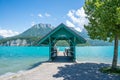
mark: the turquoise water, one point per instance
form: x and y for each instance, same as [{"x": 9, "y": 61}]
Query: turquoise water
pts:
[
  {"x": 14, "y": 59},
  {"x": 102, "y": 54}
]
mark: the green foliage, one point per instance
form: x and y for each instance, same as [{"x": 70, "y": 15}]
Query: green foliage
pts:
[
  {"x": 118, "y": 15},
  {"x": 86, "y": 44},
  {"x": 104, "y": 22},
  {"x": 110, "y": 70},
  {"x": 62, "y": 43},
  {"x": 65, "y": 43},
  {"x": 104, "y": 19}
]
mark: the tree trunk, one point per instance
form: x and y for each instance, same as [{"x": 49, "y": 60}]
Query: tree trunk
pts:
[{"x": 115, "y": 57}]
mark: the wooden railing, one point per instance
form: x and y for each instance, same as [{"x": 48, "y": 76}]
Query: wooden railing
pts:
[{"x": 69, "y": 53}]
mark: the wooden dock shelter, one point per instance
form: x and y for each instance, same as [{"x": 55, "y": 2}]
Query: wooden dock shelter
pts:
[{"x": 62, "y": 32}]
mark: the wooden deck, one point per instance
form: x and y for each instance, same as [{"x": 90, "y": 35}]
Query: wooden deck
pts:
[{"x": 62, "y": 57}]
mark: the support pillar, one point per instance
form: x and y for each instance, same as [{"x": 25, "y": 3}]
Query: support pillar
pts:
[
  {"x": 50, "y": 49},
  {"x": 74, "y": 51}
]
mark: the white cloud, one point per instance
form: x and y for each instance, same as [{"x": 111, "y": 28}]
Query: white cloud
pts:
[
  {"x": 40, "y": 15},
  {"x": 33, "y": 23},
  {"x": 47, "y": 15},
  {"x": 70, "y": 24},
  {"x": 77, "y": 18},
  {"x": 78, "y": 29},
  {"x": 8, "y": 33},
  {"x": 43, "y": 15}
]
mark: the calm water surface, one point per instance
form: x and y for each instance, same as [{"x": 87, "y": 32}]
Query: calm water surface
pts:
[{"x": 14, "y": 59}]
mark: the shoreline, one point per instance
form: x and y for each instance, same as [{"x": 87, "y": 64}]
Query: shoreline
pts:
[
  {"x": 44, "y": 65},
  {"x": 21, "y": 71},
  {"x": 16, "y": 75}
]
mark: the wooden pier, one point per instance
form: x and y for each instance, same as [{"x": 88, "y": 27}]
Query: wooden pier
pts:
[
  {"x": 62, "y": 57},
  {"x": 62, "y": 32}
]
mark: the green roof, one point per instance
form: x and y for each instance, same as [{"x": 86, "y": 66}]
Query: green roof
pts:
[{"x": 61, "y": 32}]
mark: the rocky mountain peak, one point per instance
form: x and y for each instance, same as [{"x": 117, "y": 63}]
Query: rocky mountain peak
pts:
[
  {"x": 37, "y": 30},
  {"x": 41, "y": 25}
]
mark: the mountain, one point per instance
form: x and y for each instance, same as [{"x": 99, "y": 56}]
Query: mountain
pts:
[
  {"x": 28, "y": 37},
  {"x": 84, "y": 34},
  {"x": 95, "y": 42},
  {"x": 1, "y": 37},
  {"x": 37, "y": 30},
  {"x": 33, "y": 34}
]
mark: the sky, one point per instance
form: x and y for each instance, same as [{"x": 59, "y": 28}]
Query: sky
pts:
[{"x": 16, "y": 16}]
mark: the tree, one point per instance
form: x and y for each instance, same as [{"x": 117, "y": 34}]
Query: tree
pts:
[{"x": 104, "y": 22}]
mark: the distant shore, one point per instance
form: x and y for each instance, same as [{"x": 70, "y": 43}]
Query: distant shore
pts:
[{"x": 63, "y": 71}]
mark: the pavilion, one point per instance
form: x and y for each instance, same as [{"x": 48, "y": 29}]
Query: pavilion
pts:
[{"x": 62, "y": 32}]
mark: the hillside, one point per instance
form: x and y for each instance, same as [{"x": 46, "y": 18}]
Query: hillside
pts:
[
  {"x": 28, "y": 37},
  {"x": 1, "y": 37},
  {"x": 33, "y": 34},
  {"x": 37, "y": 30},
  {"x": 94, "y": 42}
]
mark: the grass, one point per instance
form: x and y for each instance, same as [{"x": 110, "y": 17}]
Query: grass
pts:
[{"x": 110, "y": 71}]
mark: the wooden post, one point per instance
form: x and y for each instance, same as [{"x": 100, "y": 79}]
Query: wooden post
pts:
[
  {"x": 49, "y": 49},
  {"x": 72, "y": 49},
  {"x": 74, "y": 44}
]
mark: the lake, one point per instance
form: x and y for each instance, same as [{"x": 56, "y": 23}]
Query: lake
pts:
[{"x": 14, "y": 59}]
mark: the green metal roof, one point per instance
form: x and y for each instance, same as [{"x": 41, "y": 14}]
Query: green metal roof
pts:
[{"x": 61, "y": 32}]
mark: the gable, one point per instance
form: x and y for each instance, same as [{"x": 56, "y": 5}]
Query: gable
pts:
[{"x": 61, "y": 32}]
